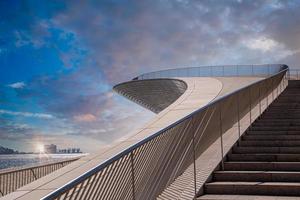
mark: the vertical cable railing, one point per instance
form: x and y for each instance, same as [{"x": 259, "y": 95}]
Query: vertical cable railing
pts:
[
  {"x": 214, "y": 71},
  {"x": 11, "y": 180},
  {"x": 294, "y": 74},
  {"x": 145, "y": 169}
]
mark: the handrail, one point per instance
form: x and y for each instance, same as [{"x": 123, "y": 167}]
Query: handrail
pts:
[
  {"x": 16, "y": 169},
  {"x": 90, "y": 178},
  {"x": 12, "y": 179},
  {"x": 213, "y": 71},
  {"x": 294, "y": 74}
]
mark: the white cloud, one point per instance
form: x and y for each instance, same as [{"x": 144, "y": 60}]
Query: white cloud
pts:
[
  {"x": 17, "y": 85},
  {"x": 262, "y": 43},
  {"x": 27, "y": 114}
]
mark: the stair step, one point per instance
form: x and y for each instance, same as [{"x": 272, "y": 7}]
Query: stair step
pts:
[
  {"x": 266, "y": 143},
  {"x": 251, "y": 132},
  {"x": 291, "y": 112},
  {"x": 275, "y": 124},
  {"x": 271, "y": 137},
  {"x": 257, "y": 176},
  {"x": 255, "y": 188},
  {"x": 244, "y": 197},
  {"x": 261, "y": 119},
  {"x": 262, "y": 166},
  {"x": 275, "y": 128},
  {"x": 281, "y": 117},
  {"x": 265, "y": 157},
  {"x": 243, "y": 150}
]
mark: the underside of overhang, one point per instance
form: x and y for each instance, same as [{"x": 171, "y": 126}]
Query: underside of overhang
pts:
[{"x": 153, "y": 94}]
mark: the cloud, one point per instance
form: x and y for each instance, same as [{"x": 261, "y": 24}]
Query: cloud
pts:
[
  {"x": 114, "y": 41},
  {"x": 17, "y": 85},
  {"x": 85, "y": 118},
  {"x": 263, "y": 44},
  {"x": 126, "y": 40},
  {"x": 14, "y": 131},
  {"x": 27, "y": 114}
]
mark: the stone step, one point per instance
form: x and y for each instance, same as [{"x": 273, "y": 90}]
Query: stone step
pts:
[
  {"x": 284, "y": 106},
  {"x": 267, "y": 143},
  {"x": 264, "y": 157},
  {"x": 252, "y": 132},
  {"x": 289, "y": 102},
  {"x": 262, "y": 166},
  {"x": 281, "y": 117},
  {"x": 253, "y": 188},
  {"x": 275, "y": 128},
  {"x": 244, "y": 150},
  {"x": 261, "y": 119},
  {"x": 280, "y": 108},
  {"x": 283, "y": 110},
  {"x": 271, "y": 137},
  {"x": 275, "y": 123},
  {"x": 244, "y": 197},
  {"x": 257, "y": 176}
]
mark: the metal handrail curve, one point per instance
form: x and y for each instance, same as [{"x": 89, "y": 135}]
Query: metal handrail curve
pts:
[
  {"x": 12, "y": 179},
  {"x": 129, "y": 151},
  {"x": 212, "y": 71}
]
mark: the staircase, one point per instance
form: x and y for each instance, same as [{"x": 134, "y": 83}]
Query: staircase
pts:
[{"x": 266, "y": 161}]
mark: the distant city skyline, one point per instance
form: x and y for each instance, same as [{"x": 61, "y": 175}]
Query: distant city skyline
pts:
[{"x": 60, "y": 59}]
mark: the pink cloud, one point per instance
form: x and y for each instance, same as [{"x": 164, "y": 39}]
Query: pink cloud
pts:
[{"x": 85, "y": 118}]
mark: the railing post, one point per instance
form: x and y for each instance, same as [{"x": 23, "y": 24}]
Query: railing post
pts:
[
  {"x": 280, "y": 86},
  {"x": 272, "y": 89},
  {"x": 132, "y": 175},
  {"x": 194, "y": 159},
  {"x": 259, "y": 96},
  {"x": 33, "y": 174},
  {"x": 283, "y": 81},
  {"x": 238, "y": 114},
  {"x": 277, "y": 91},
  {"x": 267, "y": 96},
  {"x": 221, "y": 135},
  {"x": 1, "y": 193},
  {"x": 250, "y": 105}
]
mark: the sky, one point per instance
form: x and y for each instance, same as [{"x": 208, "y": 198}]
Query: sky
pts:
[{"x": 60, "y": 59}]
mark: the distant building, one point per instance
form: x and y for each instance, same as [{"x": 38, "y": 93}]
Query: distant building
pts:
[
  {"x": 50, "y": 148},
  {"x": 70, "y": 150}
]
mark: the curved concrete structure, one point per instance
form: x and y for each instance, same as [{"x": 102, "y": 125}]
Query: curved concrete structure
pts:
[
  {"x": 176, "y": 101},
  {"x": 153, "y": 94}
]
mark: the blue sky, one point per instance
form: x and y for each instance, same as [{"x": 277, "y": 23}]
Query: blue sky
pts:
[{"x": 60, "y": 59}]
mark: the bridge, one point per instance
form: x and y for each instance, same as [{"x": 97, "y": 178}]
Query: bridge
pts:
[{"x": 221, "y": 132}]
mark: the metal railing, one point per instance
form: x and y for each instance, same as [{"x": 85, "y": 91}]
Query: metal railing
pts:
[
  {"x": 214, "y": 71},
  {"x": 294, "y": 74},
  {"x": 145, "y": 169},
  {"x": 11, "y": 180}
]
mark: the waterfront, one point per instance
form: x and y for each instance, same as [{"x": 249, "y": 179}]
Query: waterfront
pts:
[{"x": 24, "y": 160}]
